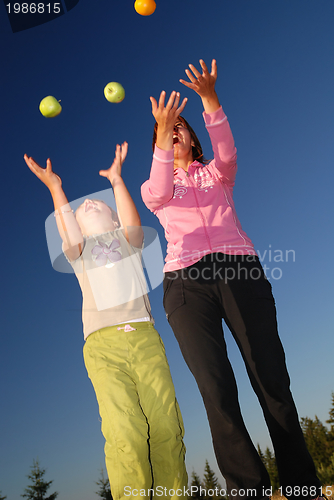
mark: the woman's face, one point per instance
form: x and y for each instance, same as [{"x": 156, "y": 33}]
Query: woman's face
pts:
[
  {"x": 182, "y": 142},
  {"x": 94, "y": 216}
]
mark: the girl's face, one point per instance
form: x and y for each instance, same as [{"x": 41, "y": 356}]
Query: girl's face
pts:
[{"x": 94, "y": 217}]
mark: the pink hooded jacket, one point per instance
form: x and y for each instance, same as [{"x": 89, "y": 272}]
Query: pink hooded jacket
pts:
[{"x": 196, "y": 208}]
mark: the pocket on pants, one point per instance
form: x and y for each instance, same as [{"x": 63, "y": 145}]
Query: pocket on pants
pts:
[{"x": 173, "y": 293}]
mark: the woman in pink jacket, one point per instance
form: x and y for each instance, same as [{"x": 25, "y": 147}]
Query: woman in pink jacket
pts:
[{"x": 212, "y": 273}]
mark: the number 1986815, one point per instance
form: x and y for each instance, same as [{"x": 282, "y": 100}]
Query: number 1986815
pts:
[
  {"x": 306, "y": 491},
  {"x": 34, "y": 8}
]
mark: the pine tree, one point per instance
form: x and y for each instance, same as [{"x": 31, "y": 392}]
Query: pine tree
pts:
[
  {"x": 210, "y": 482},
  {"x": 104, "y": 491},
  {"x": 196, "y": 486},
  {"x": 331, "y": 416},
  {"x": 318, "y": 441},
  {"x": 37, "y": 490},
  {"x": 269, "y": 461},
  {"x": 1, "y": 497},
  {"x": 260, "y": 452},
  {"x": 326, "y": 474}
]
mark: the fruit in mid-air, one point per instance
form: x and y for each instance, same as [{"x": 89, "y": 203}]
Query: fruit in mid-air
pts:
[
  {"x": 114, "y": 92},
  {"x": 50, "y": 107},
  {"x": 145, "y": 7}
]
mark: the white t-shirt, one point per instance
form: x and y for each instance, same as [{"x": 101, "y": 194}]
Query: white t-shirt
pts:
[{"x": 112, "y": 282}]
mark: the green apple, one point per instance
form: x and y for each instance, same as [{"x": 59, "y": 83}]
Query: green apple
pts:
[
  {"x": 50, "y": 107},
  {"x": 114, "y": 92}
]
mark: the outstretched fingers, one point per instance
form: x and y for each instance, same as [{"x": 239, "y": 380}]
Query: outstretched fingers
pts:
[
  {"x": 46, "y": 175},
  {"x": 183, "y": 105},
  {"x": 121, "y": 152},
  {"x": 173, "y": 101},
  {"x": 166, "y": 114},
  {"x": 195, "y": 76},
  {"x": 204, "y": 67},
  {"x": 34, "y": 167},
  {"x": 162, "y": 100},
  {"x": 103, "y": 173},
  {"x": 124, "y": 151},
  {"x": 202, "y": 83},
  {"x": 154, "y": 105},
  {"x": 48, "y": 166},
  {"x": 28, "y": 160},
  {"x": 195, "y": 72},
  {"x": 116, "y": 167},
  {"x": 213, "y": 68}
]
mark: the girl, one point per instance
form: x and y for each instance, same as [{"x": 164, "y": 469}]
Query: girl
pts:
[
  {"x": 212, "y": 273},
  {"x": 124, "y": 354}
]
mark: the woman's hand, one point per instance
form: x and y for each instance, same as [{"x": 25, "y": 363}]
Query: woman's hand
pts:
[
  {"x": 166, "y": 116},
  {"x": 204, "y": 84},
  {"x": 46, "y": 175},
  {"x": 115, "y": 171}
]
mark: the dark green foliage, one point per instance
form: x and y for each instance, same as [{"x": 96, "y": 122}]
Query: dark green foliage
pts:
[
  {"x": 210, "y": 482},
  {"x": 326, "y": 474},
  {"x": 209, "y": 488},
  {"x": 37, "y": 490},
  {"x": 1, "y": 497},
  {"x": 331, "y": 416},
  {"x": 272, "y": 468},
  {"x": 104, "y": 491},
  {"x": 196, "y": 484},
  {"x": 260, "y": 453},
  {"x": 269, "y": 461},
  {"x": 320, "y": 443},
  {"x": 318, "y": 440}
]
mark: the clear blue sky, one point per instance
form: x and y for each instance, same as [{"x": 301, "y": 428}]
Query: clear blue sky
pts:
[{"x": 275, "y": 83}]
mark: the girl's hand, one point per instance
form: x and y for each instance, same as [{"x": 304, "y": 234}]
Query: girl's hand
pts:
[
  {"x": 166, "y": 116},
  {"x": 46, "y": 175},
  {"x": 115, "y": 171},
  {"x": 203, "y": 84}
]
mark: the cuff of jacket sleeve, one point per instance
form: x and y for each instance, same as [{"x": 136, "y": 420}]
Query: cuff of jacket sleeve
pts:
[
  {"x": 162, "y": 155},
  {"x": 215, "y": 118}
]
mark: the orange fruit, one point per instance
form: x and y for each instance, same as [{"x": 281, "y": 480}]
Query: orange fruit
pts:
[{"x": 145, "y": 7}]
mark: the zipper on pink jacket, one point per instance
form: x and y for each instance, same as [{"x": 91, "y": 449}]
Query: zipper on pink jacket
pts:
[{"x": 201, "y": 215}]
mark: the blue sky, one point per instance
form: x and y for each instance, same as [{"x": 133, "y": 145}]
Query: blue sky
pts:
[{"x": 275, "y": 83}]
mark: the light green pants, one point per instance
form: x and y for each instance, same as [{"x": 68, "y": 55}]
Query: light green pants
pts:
[{"x": 141, "y": 419}]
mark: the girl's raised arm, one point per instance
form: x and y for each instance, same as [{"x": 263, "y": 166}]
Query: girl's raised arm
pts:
[
  {"x": 68, "y": 227},
  {"x": 126, "y": 208}
]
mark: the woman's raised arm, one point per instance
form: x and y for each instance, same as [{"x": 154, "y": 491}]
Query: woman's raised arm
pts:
[{"x": 204, "y": 85}]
